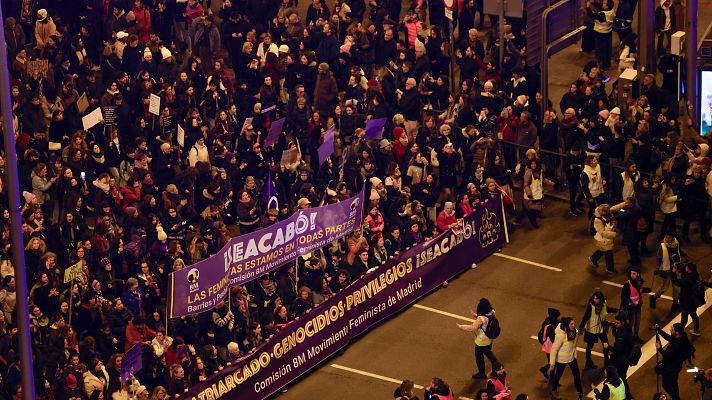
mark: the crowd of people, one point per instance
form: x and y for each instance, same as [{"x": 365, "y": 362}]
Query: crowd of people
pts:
[{"x": 148, "y": 191}]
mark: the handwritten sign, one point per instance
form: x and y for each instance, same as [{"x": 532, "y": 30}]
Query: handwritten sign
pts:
[
  {"x": 91, "y": 119},
  {"x": 154, "y": 107},
  {"x": 109, "y": 115},
  {"x": 39, "y": 66},
  {"x": 73, "y": 272}
]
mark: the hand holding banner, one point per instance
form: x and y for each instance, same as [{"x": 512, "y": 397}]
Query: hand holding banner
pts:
[
  {"x": 131, "y": 362},
  {"x": 91, "y": 119},
  {"x": 274, "y": 131},
  {"x": 374, "y": 128},
  {"x": 154, "y": 106},
  {"x": 327, "y": 148}
]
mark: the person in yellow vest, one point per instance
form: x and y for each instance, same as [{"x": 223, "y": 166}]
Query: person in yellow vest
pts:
[
  {"x": 534, "y": 191},
  {"x": 483, "y": 344},
  {"x": 603, "y": 14},
  {"x": 624, "y": 182},
  {"x": 667, "y": 200},
  {"x": 593, "y": 326},
  {"x": 669, "y": 253},
  {"x": 563, "y": 354},
  {"x": 613, "y": 387},
  {"x": 592, "y": 184},
  {"x": 604, "y": 236}
]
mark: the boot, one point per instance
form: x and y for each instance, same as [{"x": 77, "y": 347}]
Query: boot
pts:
[
  {"x": 545, "y": 371},
  {"x": 653, "y": 302}
]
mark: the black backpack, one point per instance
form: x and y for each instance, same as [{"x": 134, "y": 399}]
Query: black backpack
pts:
[
  {"x": 592, "y": 226},
  {"x": 698, "y": 294},
  {"x": 635, "y": 354},
  {"x": 492, "y": 330}
]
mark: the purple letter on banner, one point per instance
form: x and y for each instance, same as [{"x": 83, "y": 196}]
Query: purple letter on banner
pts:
[
  {"x": 388, "y": 289},
  {"x": 327, "y": 148},
  {"x": 274, "y": 131},
  {"x": 244, "y": 258},
  {"x": 131, "y": 362},
  {"x": 374, "y": 128}
]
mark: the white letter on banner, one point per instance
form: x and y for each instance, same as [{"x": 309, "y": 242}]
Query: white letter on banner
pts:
[
  {"x": 302, "y": 224},
  {"x": 251, "y": 250},
  {"x": 290, "y": 233},
  {"x": 264, "y": 248},
  {"x": 237, "y": 252},
  {"x": 278, "y": 238}
]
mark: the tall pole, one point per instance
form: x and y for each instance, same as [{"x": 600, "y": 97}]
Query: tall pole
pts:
[
  {"x": 646, "y": 35},
  {"x": 18, "y": 256},
  {"x": 502, "y": 5},
  {"x": 691, "y": 60}
]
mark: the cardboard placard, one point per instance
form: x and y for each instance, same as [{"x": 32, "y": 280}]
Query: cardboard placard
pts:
[
  {"x": 91, "y": 119},
  {"x": 41, "y": 66},
  {"x": 154, "y": 107}
]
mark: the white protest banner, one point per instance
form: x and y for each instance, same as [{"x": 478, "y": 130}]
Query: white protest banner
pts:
[
  {"x": 154, "y": 107},
  {"x": 91, "y": 119}
]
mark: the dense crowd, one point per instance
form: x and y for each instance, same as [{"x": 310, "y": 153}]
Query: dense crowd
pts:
[{"x": 148, "y": 192}]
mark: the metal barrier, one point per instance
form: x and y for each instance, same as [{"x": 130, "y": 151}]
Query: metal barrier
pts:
[{"x": 553, "y": 164}]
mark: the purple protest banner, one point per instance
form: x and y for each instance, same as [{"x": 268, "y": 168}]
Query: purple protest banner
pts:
[
  {"x": 317, "y": 335},
  {"x": 327, "y": 148},
  {"x": 274, "y": 131},
  {"x": 201, "y": 286},
  {"x": 374, "y": 128},
  {"x": 131, "y": 362}
]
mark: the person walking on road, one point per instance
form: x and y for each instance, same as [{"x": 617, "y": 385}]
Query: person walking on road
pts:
[
  {"x": 613, "y": 388},
  {"x": 631, "y": 300},
  {"x": 592, "y": 184},
  {"x": 632, "y": 225},
  {"x": 593, "y": 327},
  {"x": 497, "y": 385},
  {"x": 678, "y": 350},
  {"x": 605, "y": 235},
  {"x": 622, "y": 348},
  {"x": 563, "y": 354},
  {"x": 669, "y": 253},
  {"x": 547, "y": 335},
  {"x": 692, "y": 294},
  {"x": 483, "y": 344}
]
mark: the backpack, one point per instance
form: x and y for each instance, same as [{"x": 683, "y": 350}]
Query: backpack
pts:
[
  {"x": 698, "y": 294},
  {"x": 634, "y": 356},
  {"x": 493, "y": 329},
  {"x": 592, "y": 226}
]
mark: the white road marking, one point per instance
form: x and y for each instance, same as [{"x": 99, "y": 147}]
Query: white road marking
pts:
[
  {"x": 521, "y": 260},
  {"x": 620, "y": 285},
  {"x": 649, "y": 349},
  {"x": 381, "y": 377},
  {"x": 441, "y": 312},
  {"x": 581, "y": 349}
]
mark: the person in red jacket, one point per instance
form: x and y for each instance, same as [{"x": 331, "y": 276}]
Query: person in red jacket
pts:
[
  {"x": 137, "y": 331},
  {"x": 446, "y": 217},
  {"x": 143, "y": 20}
]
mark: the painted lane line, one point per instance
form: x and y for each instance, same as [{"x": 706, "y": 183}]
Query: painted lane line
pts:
[
  {"x": 619, "y": 285},
  {"x": 649, "y": 349},
  {"x": 521, "y": 260},
  {"x": 441, "y": 312},
  {"x": 581, "y": 349},
  {"x": 381, "y": 377}
]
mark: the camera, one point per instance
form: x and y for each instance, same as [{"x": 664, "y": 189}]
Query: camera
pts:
[{"x": 698, "y": 375}]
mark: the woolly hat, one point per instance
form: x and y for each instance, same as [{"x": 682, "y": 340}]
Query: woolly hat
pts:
[
  {"x": 161, "y": 233},
  {"x": 397, "y": 132},
  {"x": 384, "y": 143},
  {"x": 419, "y": 46},
  {"x": 147, "y": 52},
  {"x": 121, "y": 35},
  {"x": 104, "y": 262},
  {"x": 284, "y": 48},
  {"x": 303, "y": 202},
  {"x": 553, "y": 313},
  {"x": 616, "y": 110},
  {"x": 522, "y": 99},
  {"x": 41, "y": 14},
  {"x": 375, "y": 181},
  {"x": 603, "y": 114},
  {"x": 28, "y": 197},
  {"x": 165, "y": 53},
  {"x": 172, "y": 188}
]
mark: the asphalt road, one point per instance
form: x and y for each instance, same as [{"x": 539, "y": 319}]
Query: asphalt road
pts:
[{"x": 423, "y": 342}]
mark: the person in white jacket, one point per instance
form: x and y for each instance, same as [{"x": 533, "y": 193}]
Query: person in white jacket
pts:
[
  {"x": 95, "y": 378},
  {"x": 198, "y": 152},
  {"x": 161, "y": 343},
  {"x": 563, "y": 354}
]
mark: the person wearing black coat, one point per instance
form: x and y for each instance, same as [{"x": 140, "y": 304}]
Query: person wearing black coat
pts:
[
  {"x": 694, "y": 203},
  {"x": 678, "y": 350},
  {"x": 645, "y": 196},
  {"x": 628, "y": 219},
  {"x": 689, "y": 283},
  {"x": 622, "y": 347}
]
